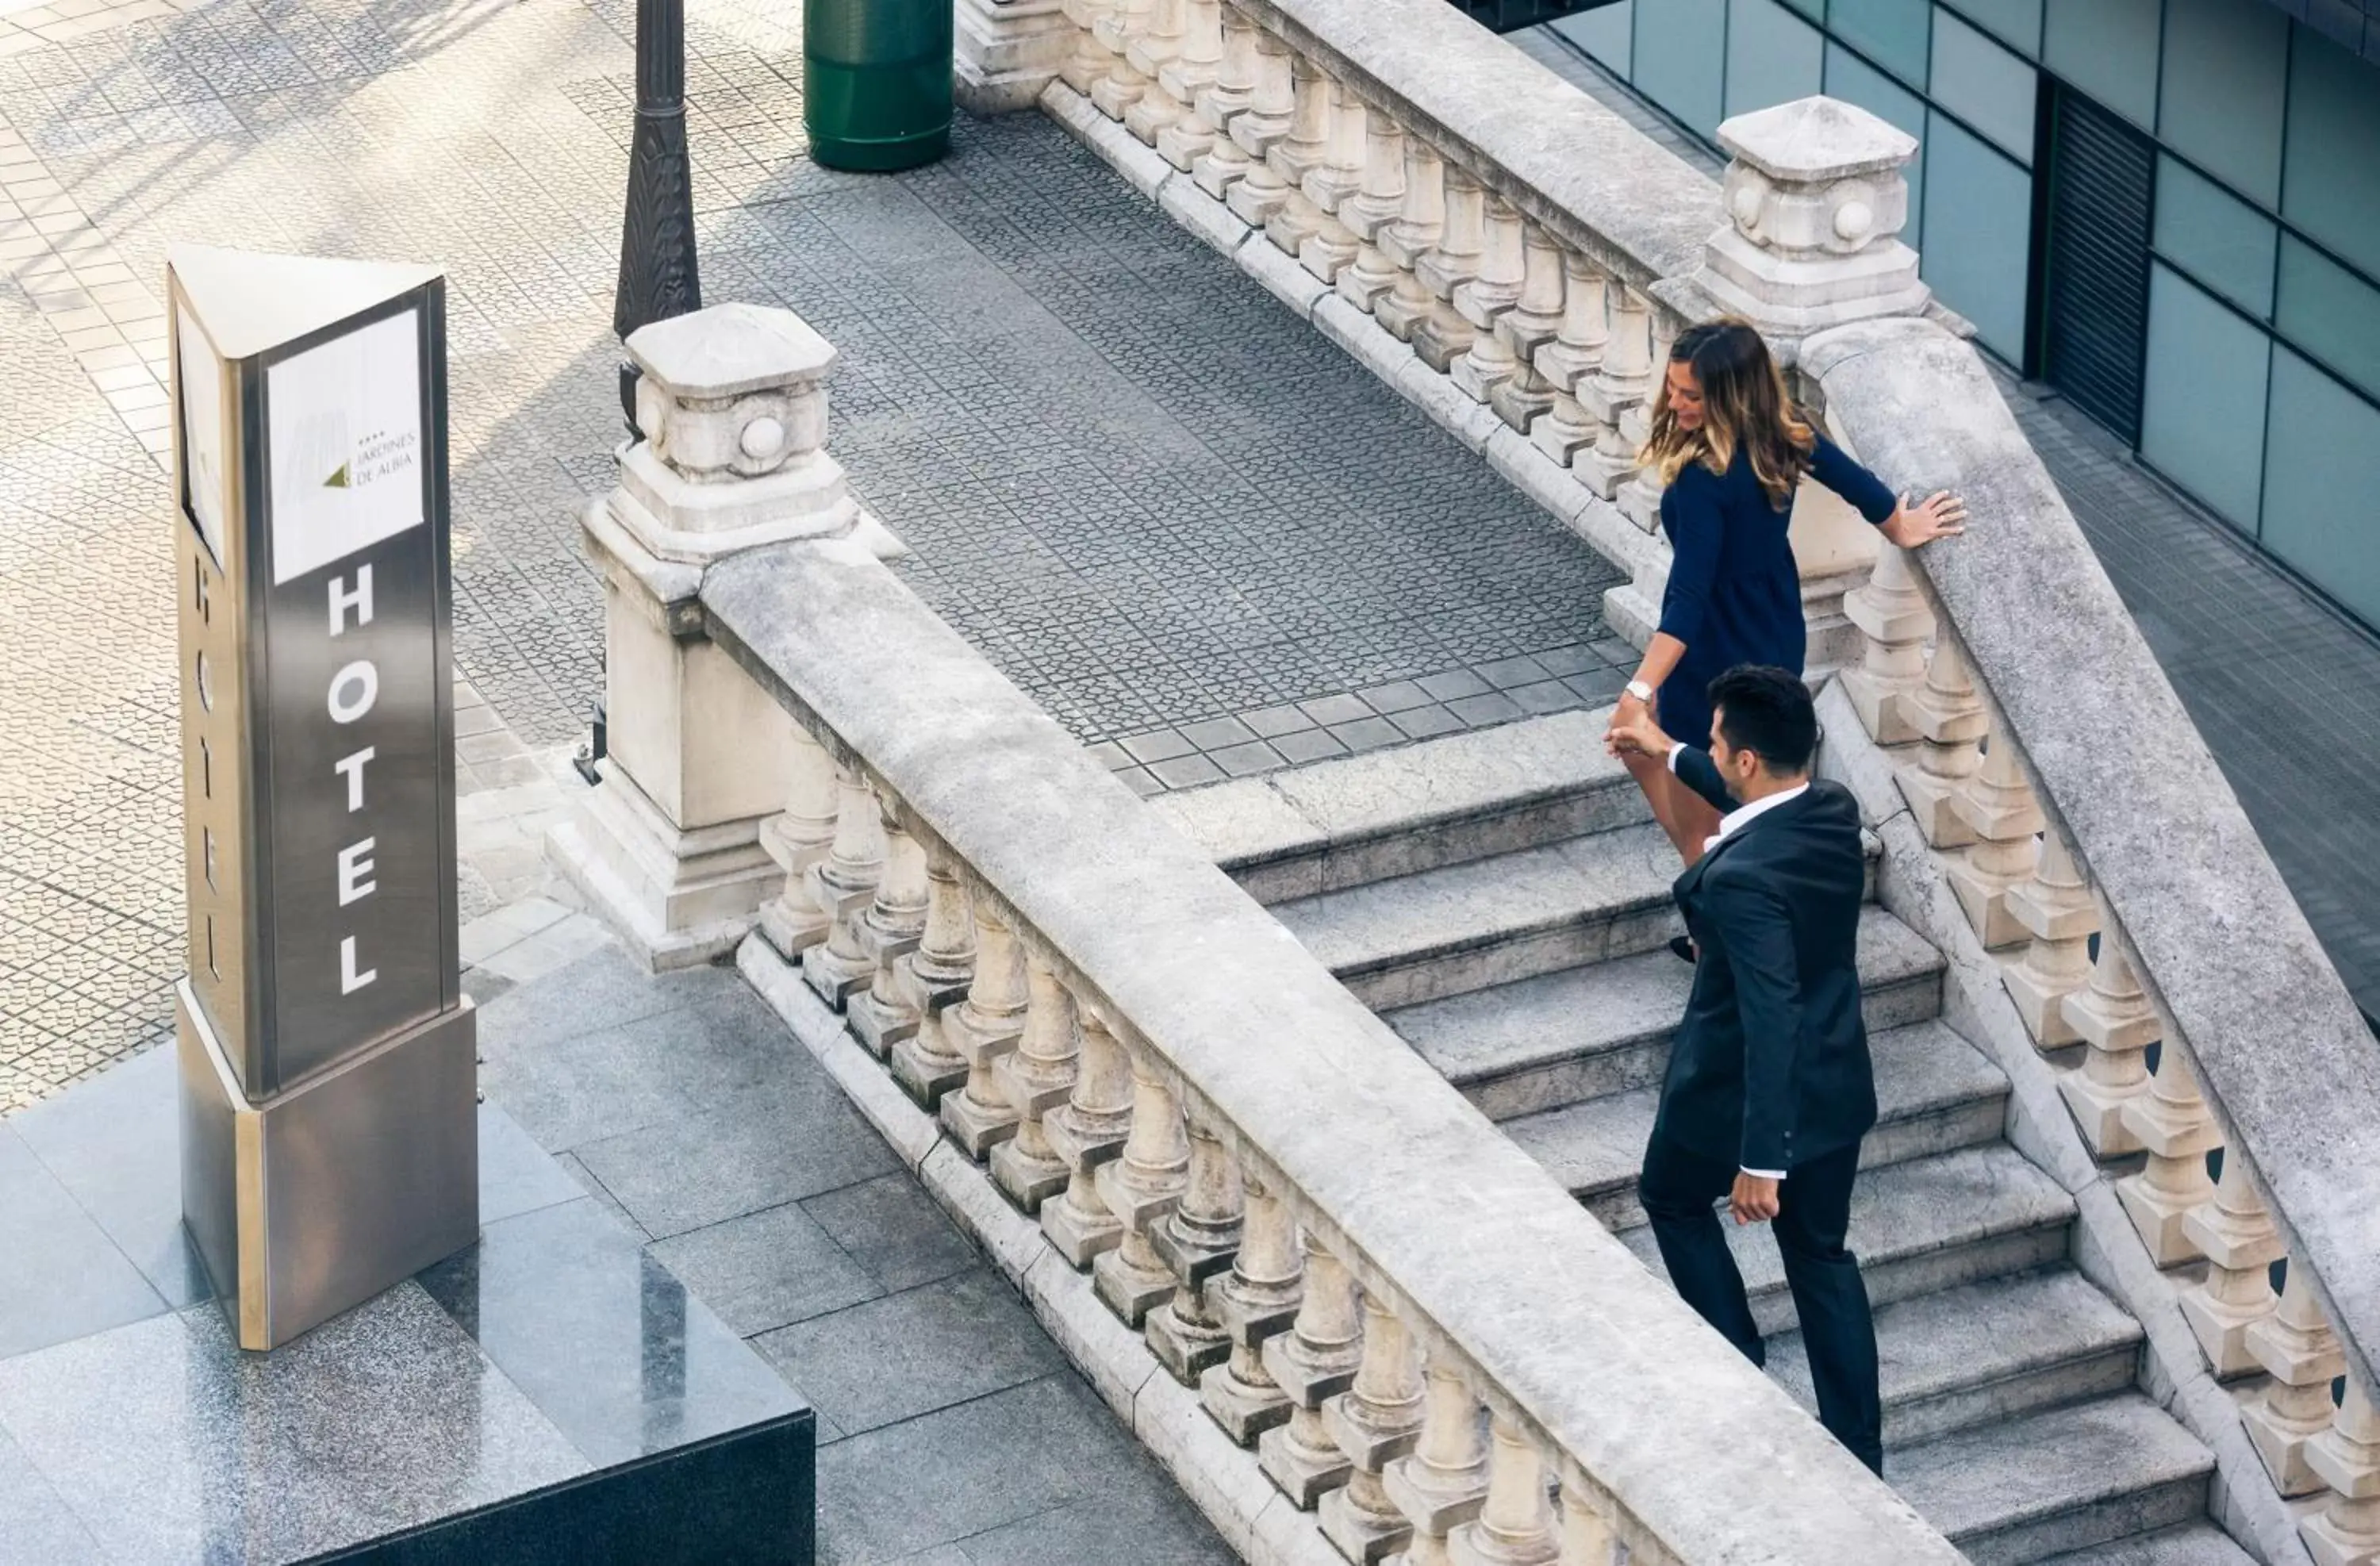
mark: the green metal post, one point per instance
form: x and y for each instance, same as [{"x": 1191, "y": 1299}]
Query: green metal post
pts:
[{"x": 876, "y": 82}]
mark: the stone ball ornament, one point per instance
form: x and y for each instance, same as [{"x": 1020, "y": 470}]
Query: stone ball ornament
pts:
[
  {"x": 1854, "y": 220},
  {"x": 763, "y": 438}
]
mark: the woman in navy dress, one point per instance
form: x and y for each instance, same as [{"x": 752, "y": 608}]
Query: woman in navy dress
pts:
[{"x": 1730, "y": 449}]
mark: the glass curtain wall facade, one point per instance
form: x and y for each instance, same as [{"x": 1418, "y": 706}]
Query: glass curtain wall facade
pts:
[{"x": 2193, "y": 185}]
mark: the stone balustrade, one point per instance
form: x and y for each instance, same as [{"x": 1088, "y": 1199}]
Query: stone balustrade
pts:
[
  {"x": 1348, "y": 1272},
  {"x": 2155, "y": 960},
  {"x": 1516, "y": 261}
]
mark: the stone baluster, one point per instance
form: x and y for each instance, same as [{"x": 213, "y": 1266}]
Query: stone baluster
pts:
[
  {"x": 1894, "y": 621},
  {"x": 2114, "y": 1019},
  {"x": 1531, "y": 324},
  {"x": 2006, "y": 820},
  {"x": 891, "y": 930},
  {"x": 1503, "y": 267},
  {"x": 1443, "y": 335},
  {"x": 2055, "y": 909},
  {"x": 1191, "y": 77},
  {"x": 1515, "y": 1527},
  {"x": 2236, "y": 1237},
  {"x": 2298, "y": 1349},
  {"x": 1372, "y": 208},
  {"x": 2346, "y": 1531},
  {"x": 986, "y": 1028},
  {"x": 1091, "y": 59},
  {"x": 1256, "y": 1300},
  {"x": 1086, "y": 1133},
  {"x": 1419, "y": 223},
  {"x": 1375, "y": 1421},
  {"x": 1951, "y": 723},
  {"x": 791, "y": 921},
  {"x": 844, "y": 885},
  {"x": 1119, "y": 27},
  {"x": 1304, "y": 149},
  {"x": 1036, "y": 1079},
  {"x": 1587, "y": 1539},
  {"x": 935, "y": 977},
  {"x": 2171, "y": 1121},
  {"x": 1260, "y": 190},
  {"x": 1440, "y": 1483},
  {"x": 1639, "y": 495},
  {"x": 1332, "y": 247},
  {"x": 1572, "y": 358},
  {"x": 1158, "y": 106},
  {"x": 1312, "y": 1363},
  {"x": 1196, "y": 1241},
  {"x": 1141, "y": 1188},
  {"x": 1619, "y": 384}
]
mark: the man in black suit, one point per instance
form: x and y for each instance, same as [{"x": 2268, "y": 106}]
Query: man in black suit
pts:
[{"x": 1769, "y": 1086}]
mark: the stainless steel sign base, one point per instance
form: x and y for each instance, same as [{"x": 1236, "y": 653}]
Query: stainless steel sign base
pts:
[{"x": 320, "y": 1197}]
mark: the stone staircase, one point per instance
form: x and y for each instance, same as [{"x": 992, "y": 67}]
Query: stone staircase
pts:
[{"x": 1501, "y": 900}]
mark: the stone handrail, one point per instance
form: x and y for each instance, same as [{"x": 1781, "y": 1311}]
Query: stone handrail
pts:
[
  {"x": 1515, "y": 258},
  {"x": 1244, "y": 1093}
]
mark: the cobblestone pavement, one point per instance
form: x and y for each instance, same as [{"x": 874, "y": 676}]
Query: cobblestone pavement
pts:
[
  {"x": 2285, "y": 689},
  {"x": 1195, "y": 531}
]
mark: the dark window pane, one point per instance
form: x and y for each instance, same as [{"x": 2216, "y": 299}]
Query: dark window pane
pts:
[
  {"x": 1603, "y": 33},
  {"x": 2108, "y": 48},
  {"x": 2202, "y": 418},
  {"x": 2331, "y": 188},
  {"x": 1773, "y": 57},
  {"x": 2226, "y": 84},
  {"x": 2322, "y": 468},
  {"x": 1978, "y": 234},
  {"x": 2219, "y": 240},
  {"x": 2331, "y": 313},
  {"x": 1890, "y": 33},
  {"x": 1678, "y": 64},
  {"x": 1985, "y": 85},
  {"x": 2018, "y": 22}
]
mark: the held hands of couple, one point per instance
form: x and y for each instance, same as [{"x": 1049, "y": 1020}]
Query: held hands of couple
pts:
[
  {"x": 1754, "y": 1198},
  {"x": 1939, "y": 515},
  {"x": 1634, "y": 730}
]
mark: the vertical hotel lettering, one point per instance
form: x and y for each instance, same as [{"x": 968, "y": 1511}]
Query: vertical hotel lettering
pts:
[{"x": 354, "y": 688}]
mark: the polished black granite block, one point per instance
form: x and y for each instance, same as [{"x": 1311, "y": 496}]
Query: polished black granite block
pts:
[{"x": 552, "y": 1393}]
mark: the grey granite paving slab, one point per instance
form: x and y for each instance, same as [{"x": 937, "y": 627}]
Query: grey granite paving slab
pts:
[
  {"x": 766, "y": 1270},
  {"x": 895, "y": 1358},
  {"x": 895, "y": 1231},
  {"x": 161, "y": 1435},
  {"x": 611, "y": 1346},
  {"x": 1133, "y": 1530},
  {"x": 981, "y": 1466},
  {"x": 35, "y": 1524},
  {"x": 65, "y": 1277}
]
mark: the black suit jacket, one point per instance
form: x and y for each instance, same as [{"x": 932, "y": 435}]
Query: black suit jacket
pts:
[{"x": 1771, "y": 1067}]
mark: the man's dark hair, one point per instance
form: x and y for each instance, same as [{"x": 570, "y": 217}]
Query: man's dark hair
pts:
[{"x": 1767, "y": 712}]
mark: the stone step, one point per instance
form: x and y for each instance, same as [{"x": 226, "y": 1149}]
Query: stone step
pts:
[
  {"x": 1334, "y": 824},
  {"x": 2050, "y": 1485},
  {"x": 1466, "y": 927},
  {"x": 2199, "y": 1544},
  {"x": 1935, "y": 1093},
  {"x": 1918, "y": 1227},
  {"x": 1564, "y": 1038},
  {"x": 1984, "y": 1352}
]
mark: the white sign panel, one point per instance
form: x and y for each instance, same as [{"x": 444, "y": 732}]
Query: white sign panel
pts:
[
  {"x": 345, "y": 445},
  {"x": 202, "y": 432}
]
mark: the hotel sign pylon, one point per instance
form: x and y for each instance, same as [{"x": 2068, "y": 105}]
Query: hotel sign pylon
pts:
[{"x": 329, "y": 1127}]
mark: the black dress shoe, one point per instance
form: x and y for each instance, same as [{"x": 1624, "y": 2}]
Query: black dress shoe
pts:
[{"x": 1681, "y": 946}]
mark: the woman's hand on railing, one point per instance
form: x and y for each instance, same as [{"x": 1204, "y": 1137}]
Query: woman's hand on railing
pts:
[{"x": 1939, "y": 515}]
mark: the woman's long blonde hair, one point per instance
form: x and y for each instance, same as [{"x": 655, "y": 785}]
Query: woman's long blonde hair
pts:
[{"x": 1744, "y": 408}]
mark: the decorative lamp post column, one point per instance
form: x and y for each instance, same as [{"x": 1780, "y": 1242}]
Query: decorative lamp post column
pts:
[{"x": 658, "y": 278}]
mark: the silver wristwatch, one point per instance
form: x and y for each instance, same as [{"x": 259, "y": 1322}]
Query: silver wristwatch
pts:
[{"x": 1641, "y": 691}]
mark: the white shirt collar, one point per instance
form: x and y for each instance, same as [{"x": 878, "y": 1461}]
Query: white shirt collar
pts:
[{"x": 1735, "y": 821}]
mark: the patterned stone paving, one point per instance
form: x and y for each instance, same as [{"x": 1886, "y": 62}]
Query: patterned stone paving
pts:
[{"x": 1196, "y": 532}]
